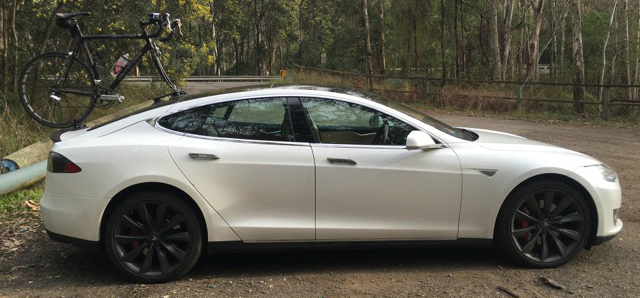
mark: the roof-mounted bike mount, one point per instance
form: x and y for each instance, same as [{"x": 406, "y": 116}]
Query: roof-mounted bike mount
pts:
[
  {"x": 173, "y": 95},
  {"x": 78, "y": 125}
]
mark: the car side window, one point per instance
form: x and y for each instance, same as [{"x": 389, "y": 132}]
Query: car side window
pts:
[
  {"x": 339, "y": 122},
  {"x": 252, "y": 119}
]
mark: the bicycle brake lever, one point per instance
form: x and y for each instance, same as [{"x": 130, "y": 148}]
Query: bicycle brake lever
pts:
[
  {"x": 179, "y": 27},
  {"x": 166, "y": 21}
]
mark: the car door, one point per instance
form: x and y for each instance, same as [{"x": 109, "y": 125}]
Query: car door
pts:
[
  {"x": 369, "y": 186},
  {"x": 242, "y": 156}
]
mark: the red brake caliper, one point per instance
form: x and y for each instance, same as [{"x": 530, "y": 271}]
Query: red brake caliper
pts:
[
  {"x": 523, "y": 225},
  {"x": 135, "y": 243}
]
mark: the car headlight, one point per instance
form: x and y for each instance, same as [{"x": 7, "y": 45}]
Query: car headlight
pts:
[{"x": 607, "y": 173}]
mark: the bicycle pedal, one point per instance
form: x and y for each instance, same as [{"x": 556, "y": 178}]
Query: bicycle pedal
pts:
[{"x": 112, "y": 97}]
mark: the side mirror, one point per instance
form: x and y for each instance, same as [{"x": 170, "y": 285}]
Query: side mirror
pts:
[{"x": 421, "y": 140}]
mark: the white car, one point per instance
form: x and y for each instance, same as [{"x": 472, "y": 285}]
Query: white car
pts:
[{"x": 311, "y": 166}]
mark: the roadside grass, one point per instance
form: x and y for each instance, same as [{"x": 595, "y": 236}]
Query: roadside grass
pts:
[{"x": 14, "y": 204}]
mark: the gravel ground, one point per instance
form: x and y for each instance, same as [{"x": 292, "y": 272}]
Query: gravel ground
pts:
[{"x": 33, "y": 266}]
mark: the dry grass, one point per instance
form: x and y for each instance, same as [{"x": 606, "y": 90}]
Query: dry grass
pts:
[
  {"x": 487, "y": 99},
  {"x": 451, "y": 96},
  {"x": 18, "y": 130}
]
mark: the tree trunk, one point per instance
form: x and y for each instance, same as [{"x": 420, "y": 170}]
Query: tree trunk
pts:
[
  {"x": 368, "y": 43},
  {"x": 455, "y": 59},
  {"x": 554, "y": 29},
  {"x": 553, "y": 40},
  {"x": 506, "y": 38},
  {"x": 604, "y": 50},
  {"x": 220, "y": 57},
  {"x": 214, "y": 37},
  {"x": 463, "y": 44},
  {"x": 562, "y": 45},
  {"x": 16, "y": 52},
  {"x": 236, "y": 49},
  {"x": 534, "y": 45},
  {"x": 286, "y": 63},
  {"x": 50, "y": 24},
  {"x": 5, "y": 49},
  {"x": 442, "y": 52},
  {"x": 494, "y": 43},
  {"x": 637, "y": 70},
  {"x": 612, "y": 72},
  {"x": 415, "y": 36},
  {"x": 578, "y": 56},
  {"x": 271, "y": 50},
  {"x": 257, "y": 36},
  {"x": 625, "y": 48},
  {"x": 383, "y": 60}
]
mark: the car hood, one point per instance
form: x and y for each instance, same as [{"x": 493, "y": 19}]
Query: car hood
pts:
[{"x": 496, "y": 140}]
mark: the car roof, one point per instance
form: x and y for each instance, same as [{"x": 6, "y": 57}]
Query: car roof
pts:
[
  {"x": 279, "y": 88},
  {"x": 353, "y": 94}
]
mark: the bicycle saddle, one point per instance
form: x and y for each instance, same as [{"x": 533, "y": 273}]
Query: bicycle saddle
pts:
[{"x": 65, "y": 16}]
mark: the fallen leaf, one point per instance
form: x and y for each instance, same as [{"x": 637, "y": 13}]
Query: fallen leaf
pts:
[{"x": 33, "y": 205}]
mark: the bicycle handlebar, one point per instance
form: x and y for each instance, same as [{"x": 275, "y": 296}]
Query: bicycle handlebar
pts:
[{"x": 162, "y": 21}]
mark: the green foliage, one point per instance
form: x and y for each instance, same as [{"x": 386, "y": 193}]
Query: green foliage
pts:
[
  {"x": 262, "y": 36},
  {"x": 13, "y": 204}
]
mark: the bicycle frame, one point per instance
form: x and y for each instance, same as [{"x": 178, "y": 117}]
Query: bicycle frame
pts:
[{"x": 150, "y": 46}]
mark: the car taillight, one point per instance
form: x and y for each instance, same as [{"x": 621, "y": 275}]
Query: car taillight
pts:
[{"x": 59, "y": 164}]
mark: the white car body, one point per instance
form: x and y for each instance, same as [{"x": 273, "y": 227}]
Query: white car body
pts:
[{"x": 265, "y": 191}]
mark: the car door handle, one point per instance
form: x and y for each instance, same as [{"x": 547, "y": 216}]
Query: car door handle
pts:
[
  {"x": 342, "y": 161},
  {"x": 203, "y": 156}
]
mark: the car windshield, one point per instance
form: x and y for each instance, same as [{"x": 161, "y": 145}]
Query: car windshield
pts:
[{"x": 441, "y": 126}]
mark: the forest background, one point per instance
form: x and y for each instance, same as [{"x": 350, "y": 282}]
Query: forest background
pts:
[{"x": 570, "y": 41}]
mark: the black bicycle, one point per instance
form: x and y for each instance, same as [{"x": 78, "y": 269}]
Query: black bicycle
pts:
[{"x": 60, "y": 91}]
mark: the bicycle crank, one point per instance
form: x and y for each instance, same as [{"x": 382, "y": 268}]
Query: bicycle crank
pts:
[{"x": 112, "y": 97}]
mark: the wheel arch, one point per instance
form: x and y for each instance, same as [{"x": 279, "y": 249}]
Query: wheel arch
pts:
[
  {"x": 570, "y": 182},
  {"x": 152, "y": 186}
]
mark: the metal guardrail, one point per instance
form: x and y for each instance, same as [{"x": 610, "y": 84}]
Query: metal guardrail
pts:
[
  {"x": 605, "y": 103},
  {"x": 211, "y": 79}
]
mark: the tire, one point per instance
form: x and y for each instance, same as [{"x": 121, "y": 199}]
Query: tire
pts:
[
  {"x": 160, "y": 247},
  {"x": 544, "y": 224},
  {"x": 40, "y": 93}
]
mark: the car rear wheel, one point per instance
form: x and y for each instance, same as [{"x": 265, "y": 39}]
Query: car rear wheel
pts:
[
  {"x": 153, "y": 237},
  {"x": 544, "y": 224}
]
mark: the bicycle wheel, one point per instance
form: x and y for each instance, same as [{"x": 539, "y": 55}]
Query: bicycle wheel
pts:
[{"x": 54, "y": 96}]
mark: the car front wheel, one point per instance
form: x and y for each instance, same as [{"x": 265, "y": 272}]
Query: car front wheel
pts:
[
  {"x": 544, "y": 224},
  {"x": 153, "y": 237}
]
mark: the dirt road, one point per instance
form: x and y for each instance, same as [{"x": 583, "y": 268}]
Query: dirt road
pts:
[{"x": 41, "y": 268}]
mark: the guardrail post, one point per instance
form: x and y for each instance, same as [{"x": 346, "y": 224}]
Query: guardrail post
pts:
[
  {"x": 605, "y": 104},
  {"x": 518, "y": 95}
]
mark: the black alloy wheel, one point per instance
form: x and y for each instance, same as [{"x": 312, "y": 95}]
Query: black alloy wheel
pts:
[
  {"x": 153, "y": 237},
  {"x": 544, "y": 224}
]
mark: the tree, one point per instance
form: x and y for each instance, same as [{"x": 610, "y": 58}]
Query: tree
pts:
[
  {"x": 368, "y": 42},
  {"x": 50, "y": 24},
  {"x": 534, "y": 40},
  {"x": 624, "y": 46},
  {"x": 3, "y": 46},
  {"x": 442, "y": 46},
  {"x": 494, "y": 44},
  {"x": 381, "y": 42},
  {"x": 637, "y": 69},
  {"x": 604, "y": 49},
  {"x": 578, "y": 56},
  {"x": 506, "y": 38}
]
